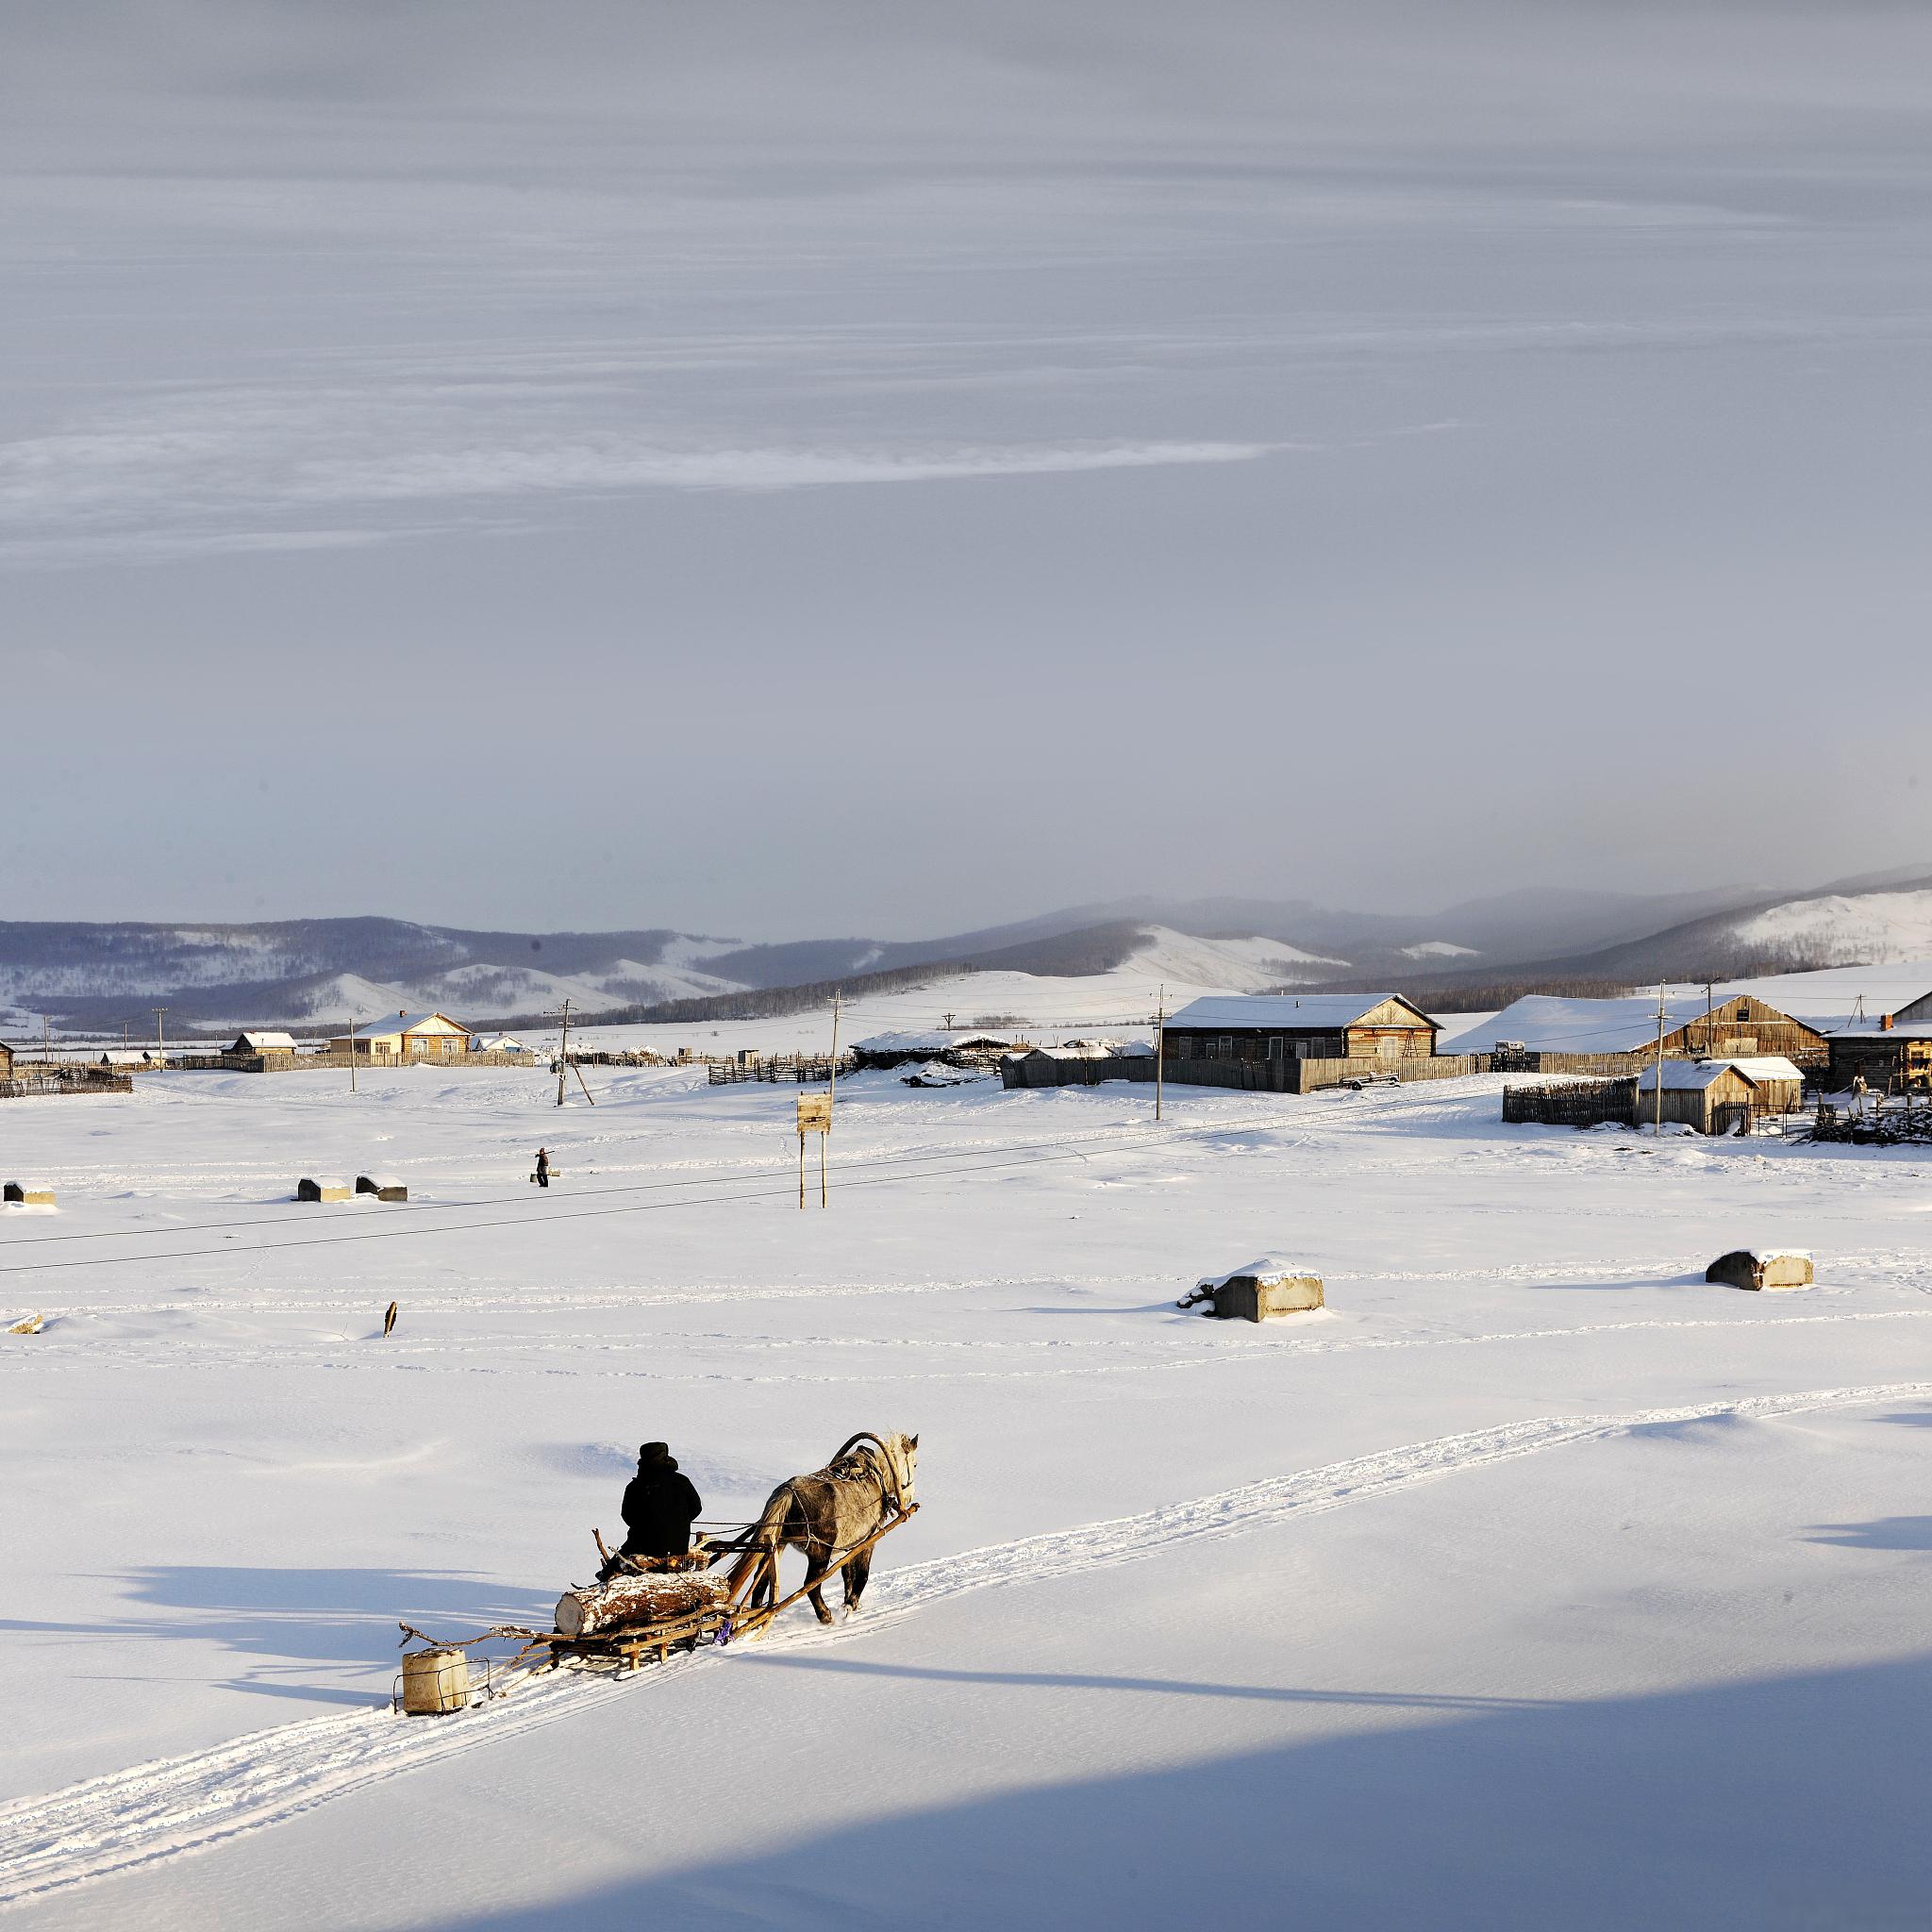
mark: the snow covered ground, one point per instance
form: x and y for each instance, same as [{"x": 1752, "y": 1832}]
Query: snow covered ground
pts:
[{"x": 1532, "y": 1583}]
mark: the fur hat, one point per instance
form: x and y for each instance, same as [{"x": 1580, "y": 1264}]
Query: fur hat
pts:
[{"x": 655, "y": 1452}]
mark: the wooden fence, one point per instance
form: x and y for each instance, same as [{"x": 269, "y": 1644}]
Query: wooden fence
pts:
[
  {"x": 1022, "y": 1070},
  {"x": 1310, "y": 1076},
  {"x": 1572, "y": 1103},
  {"x": 24, "y": 1086},
  {"x": 793, "y": 1070}
]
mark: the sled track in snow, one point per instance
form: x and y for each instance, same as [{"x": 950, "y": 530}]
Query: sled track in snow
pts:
[{"x": 169, "y": 1807}]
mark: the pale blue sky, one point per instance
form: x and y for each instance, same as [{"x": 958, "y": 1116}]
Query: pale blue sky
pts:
[{"x": 788, "y": 468}]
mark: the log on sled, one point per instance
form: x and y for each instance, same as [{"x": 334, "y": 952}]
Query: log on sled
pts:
[{"x": 629, "y": 1601}]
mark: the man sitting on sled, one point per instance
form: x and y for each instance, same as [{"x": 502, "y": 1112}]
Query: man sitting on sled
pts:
[{"x": 660, "y": 1507}]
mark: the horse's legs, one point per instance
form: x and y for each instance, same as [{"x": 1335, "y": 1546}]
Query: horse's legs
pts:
[
  {"x": 856, "y": 1573},
  {"x": 814, "y": 1583}
]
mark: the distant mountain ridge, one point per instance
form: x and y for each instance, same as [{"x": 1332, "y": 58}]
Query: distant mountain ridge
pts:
[{"x": 315, "y": 972}]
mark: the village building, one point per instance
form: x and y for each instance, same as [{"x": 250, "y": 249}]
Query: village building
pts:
[
  {"x": 1719, "y": 1096},
  {"x": 1288, "y": 1027},
  {"x": 407, "y": 1037},
  {"x": 1546, "y": 1034},
  {"x": 5, "y": 1060},
  {"x": 955, "y": 1049},
  {"x": 270, "y": 1049},
  {"x": 1891, "y": 1053},
  {"x": 499, "y": 1043}
]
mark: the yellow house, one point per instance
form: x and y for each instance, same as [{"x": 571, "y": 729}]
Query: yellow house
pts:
[{"x": 407, "y": 1037}]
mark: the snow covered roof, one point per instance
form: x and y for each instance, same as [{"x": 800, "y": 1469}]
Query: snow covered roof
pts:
[
  {"x": 1681, "y": 1076},
  {"x": 499, "y": 1043},
  {"x": 1872, "y": 1026},
  {"x": 1546, "y": 1024},
  {"x": 1767, "y": 1066},
  {"x": 253, "y": 1041},
  {"x": 1315, "y": 1012},
  {"x": 403, "y": 1023},
  {"x": 929, "y": 1043},
  {"x": 1266, "y": 1269}
]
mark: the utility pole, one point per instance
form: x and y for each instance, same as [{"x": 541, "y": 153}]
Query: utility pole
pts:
[
  {"x": 161, "y": 1037},
  {"x": 1709, "y": 1022},
  {"x": 1658, "y": 1069},
  {"x": 831, "y": 1096},
  {"x": 1160, "y": 1051},
  {"x": 355, "y": 1027},
  {"x": 564, "y": 1055}
]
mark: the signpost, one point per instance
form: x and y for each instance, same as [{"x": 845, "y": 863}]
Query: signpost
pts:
[{"x": 814, "y": 1117}]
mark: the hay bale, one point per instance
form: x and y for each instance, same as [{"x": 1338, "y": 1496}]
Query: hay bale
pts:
[
  {"x": 1260, "y": 1292},
  {"x": 307, "y": 1189},
  {"x": 28, "y": 1194},
  {"x": 383, "y": 1190},
  {"x": 1763, "y": 1268},
  {"x": 27, "y": 1325}
]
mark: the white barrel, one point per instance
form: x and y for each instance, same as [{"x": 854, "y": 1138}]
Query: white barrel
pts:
[{"x": 435, "y": 1682}]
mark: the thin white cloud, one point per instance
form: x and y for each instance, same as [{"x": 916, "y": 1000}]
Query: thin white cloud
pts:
[{"x": 231, "y": 470}]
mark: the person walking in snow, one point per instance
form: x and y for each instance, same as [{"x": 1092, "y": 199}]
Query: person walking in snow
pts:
[
  {"x": 659, "y": 1506},
  {"x": 543, "y": 1167}
]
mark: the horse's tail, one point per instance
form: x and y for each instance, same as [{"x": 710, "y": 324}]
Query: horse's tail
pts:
[{"x": 765, "y": 1535}]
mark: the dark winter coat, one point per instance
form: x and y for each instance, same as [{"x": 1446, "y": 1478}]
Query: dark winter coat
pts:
[{"x": 660, "y": 1507}]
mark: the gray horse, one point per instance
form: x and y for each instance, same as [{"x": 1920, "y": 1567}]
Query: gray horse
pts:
[{"x": 866, "y": 1484}]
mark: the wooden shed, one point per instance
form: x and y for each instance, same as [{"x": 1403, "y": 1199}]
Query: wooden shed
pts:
[
  {"x": 1310, "y": 1026},
  {"x": 1256, "y": 1292},
  {"x": 1717, "y": 1096},
  {"x": 5, "y": 1060},
  {"x": 1763, "y": 1268},
  {"x": 27, "y": 1194},
  {"x": 384, "y": 1188},
  {"x": 307, "y": 1189}
]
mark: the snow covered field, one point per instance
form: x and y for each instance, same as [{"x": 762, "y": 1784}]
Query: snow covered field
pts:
[{"x": 1533, "y": 1583}]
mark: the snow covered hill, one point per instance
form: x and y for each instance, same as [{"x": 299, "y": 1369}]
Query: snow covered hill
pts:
[{"x": 1875, "y": 929}]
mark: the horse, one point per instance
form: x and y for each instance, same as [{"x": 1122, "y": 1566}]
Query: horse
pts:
[{"x": 864, "y": 1486}]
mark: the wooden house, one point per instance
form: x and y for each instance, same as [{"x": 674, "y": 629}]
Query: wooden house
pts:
[
  {"x": 407, "y": 1037},
  {"x": 1609, "y": 1036},
  {"x": 5, "y": 1060},
  {"x": 1890, "y": 1052},
  {"x": 1308, "y": 1027}
]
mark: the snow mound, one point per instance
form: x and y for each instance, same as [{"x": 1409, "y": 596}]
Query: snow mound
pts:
[{"x": 1437, "y": 949}]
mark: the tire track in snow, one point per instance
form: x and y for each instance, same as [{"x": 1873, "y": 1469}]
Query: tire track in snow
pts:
[{"x": 169, "y": 1807}]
